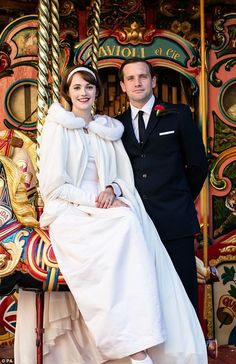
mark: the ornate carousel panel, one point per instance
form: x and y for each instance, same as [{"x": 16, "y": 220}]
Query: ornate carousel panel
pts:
[
  {"x": 222, "y": 148},
  {"x": 39, "y": 40}
]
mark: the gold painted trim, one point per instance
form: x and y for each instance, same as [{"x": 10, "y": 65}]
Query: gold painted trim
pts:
[
  {"x": 208, "y": 310},
  {"x": 222, "y": 258},
  {"x": 216, "y": 182}
]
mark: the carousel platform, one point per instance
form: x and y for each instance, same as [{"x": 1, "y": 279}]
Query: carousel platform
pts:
[{"x": 226, "y": 355}]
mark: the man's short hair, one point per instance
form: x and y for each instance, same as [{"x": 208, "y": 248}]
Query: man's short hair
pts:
[{"x": 134, "y": 60}]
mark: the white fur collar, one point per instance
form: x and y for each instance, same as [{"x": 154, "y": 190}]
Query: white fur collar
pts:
[{"x": 103, "y": 125}]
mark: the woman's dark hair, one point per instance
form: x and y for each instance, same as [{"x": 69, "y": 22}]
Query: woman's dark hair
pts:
[
  {"x": 87, "y": 76},
  {"x": 134, "y": 60}
]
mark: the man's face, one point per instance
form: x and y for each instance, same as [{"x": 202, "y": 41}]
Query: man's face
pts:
[{"x": 138, "y": 83}]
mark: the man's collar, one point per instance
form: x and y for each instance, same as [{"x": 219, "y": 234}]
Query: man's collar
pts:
[{"x": 147, "y": 108}]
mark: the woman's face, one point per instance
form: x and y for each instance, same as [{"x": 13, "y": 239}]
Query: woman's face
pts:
[{"x": 82, "y": 94}]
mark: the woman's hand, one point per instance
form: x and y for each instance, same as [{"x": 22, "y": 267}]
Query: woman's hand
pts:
[{"x": 105, "y": 198}]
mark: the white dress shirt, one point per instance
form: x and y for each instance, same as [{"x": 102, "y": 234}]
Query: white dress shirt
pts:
[{"x": 147, "y": 109}]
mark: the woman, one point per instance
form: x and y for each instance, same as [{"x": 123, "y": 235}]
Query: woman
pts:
[{"x": 133, "y": 306}]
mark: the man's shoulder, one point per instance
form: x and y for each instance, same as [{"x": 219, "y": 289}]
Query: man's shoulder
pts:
[
  {"x": 123, "y": 116},
  {"x": 178, "y": 107}
]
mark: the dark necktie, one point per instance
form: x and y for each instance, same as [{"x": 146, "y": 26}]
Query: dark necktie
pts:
[{"x": 141, "y": 126}]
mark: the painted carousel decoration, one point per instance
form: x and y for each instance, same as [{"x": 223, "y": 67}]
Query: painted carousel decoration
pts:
[
  {"x": 8, "y": 309},
  {"x": 24, "y": 248},
  {"x": 27, "y": 259},
  {"x": 5, "y": 60},
  {"x": 222, "y": 148},
  {"x": 18, "y": 74}
]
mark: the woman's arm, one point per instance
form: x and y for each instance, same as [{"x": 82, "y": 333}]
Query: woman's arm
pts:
[{"x": 54, "y": 181}]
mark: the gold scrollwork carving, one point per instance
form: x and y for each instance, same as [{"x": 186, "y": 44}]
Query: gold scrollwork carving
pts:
[
  {"x": 66, "y": 8},
  {"x": 135, "y": 34},
  {"x": 228, "y": 249},
  {"x": 170, "y": 9},
  {"x": 14, "y": 249},
  {"x": 230, "y": 240},
  {"x": 217, "y": 182},
  {"x": 220, "y": 259}
]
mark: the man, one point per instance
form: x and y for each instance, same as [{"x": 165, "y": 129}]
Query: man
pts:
[{"x": 169, "y": 165}]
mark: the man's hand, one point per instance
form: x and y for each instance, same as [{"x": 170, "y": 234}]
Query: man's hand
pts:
[
  {"x": 119, "y": 203},
  {"x": 105, "y": 198}
]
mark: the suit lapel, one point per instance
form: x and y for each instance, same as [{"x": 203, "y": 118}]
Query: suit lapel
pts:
[
  {"x": 129, "y": 128},
  {"x": 152, "y": 122}
]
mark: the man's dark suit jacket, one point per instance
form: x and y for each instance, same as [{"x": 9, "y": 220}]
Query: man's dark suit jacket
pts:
[{"x": 169, "y": 169}]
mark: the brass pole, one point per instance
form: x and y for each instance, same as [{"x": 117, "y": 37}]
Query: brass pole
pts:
[
  {"x": 55, "y": 50},
  {"x": 203, "y": 115},
  {"x": 203, "y": 96},
  {"x": 43, "y": 60},
  {"x": 43, "y": 45},
  {"x": 95, "y": 38},
  {"x": 95, "y": 33}
]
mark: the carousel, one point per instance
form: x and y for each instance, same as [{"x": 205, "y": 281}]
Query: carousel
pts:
[{"x": 192, "y": 46}]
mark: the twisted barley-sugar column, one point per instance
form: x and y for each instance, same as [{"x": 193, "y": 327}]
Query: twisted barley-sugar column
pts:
[
  {"x": 95, "y": 33},
  {"x": 43, "y": 58},
  {"x": 55, "y": 50}
]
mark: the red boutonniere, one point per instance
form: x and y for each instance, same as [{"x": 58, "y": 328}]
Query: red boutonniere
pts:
[{"x": 161, "y": 110}]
